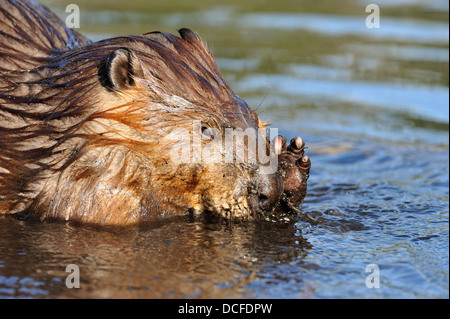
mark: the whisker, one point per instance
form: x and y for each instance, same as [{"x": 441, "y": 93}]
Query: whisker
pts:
[{"x": 264, "y": 98}]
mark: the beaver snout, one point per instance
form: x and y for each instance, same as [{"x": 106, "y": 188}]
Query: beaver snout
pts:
[{"x": 264, "y": 193}]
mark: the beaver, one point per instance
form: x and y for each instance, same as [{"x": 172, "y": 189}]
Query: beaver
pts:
[{"x": 88, "y": 130}]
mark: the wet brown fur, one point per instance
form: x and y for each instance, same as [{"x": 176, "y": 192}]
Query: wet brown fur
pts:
[{"x": 73, "y": 148}]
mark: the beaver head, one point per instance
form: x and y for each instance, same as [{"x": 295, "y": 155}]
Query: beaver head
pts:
[{"x": 188, "y": 114}]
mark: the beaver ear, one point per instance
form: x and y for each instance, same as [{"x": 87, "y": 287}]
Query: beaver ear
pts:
[
  {"x": 188, "y": 34},
  {"x": 118, "y": 70}
]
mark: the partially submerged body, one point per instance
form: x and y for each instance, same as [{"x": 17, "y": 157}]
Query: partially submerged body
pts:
[{"x": 88, "y": 130}]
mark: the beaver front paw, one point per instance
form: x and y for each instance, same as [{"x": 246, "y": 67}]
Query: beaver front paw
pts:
[{"x": 293, "y": 168}]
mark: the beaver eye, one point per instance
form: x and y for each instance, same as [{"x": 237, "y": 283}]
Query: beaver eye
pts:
[{"x": 207, "y": 133}]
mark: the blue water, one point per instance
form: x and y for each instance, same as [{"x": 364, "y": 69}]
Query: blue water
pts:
[{"x": 372, "y": 106}]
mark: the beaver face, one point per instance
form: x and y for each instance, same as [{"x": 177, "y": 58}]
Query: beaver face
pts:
[
  {"x": 126, "y": 129},
  {"x": 207, "y": 136}
]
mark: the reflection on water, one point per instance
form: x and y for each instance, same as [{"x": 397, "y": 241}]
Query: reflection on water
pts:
[
  {"x": 372, "y": 105},
  {"x": 412, "y": 98},
  {"x": 171, "y": 258},
  {"x": 401, "y": 30}
]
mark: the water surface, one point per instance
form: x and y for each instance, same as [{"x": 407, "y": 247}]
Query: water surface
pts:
[{"x": 372, "y": 104}]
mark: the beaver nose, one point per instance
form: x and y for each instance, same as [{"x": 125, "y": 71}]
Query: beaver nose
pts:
[{"x": 265, "y": 192}]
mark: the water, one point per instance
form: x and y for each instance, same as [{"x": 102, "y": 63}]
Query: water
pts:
[{"x": 372, "y": 104}]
